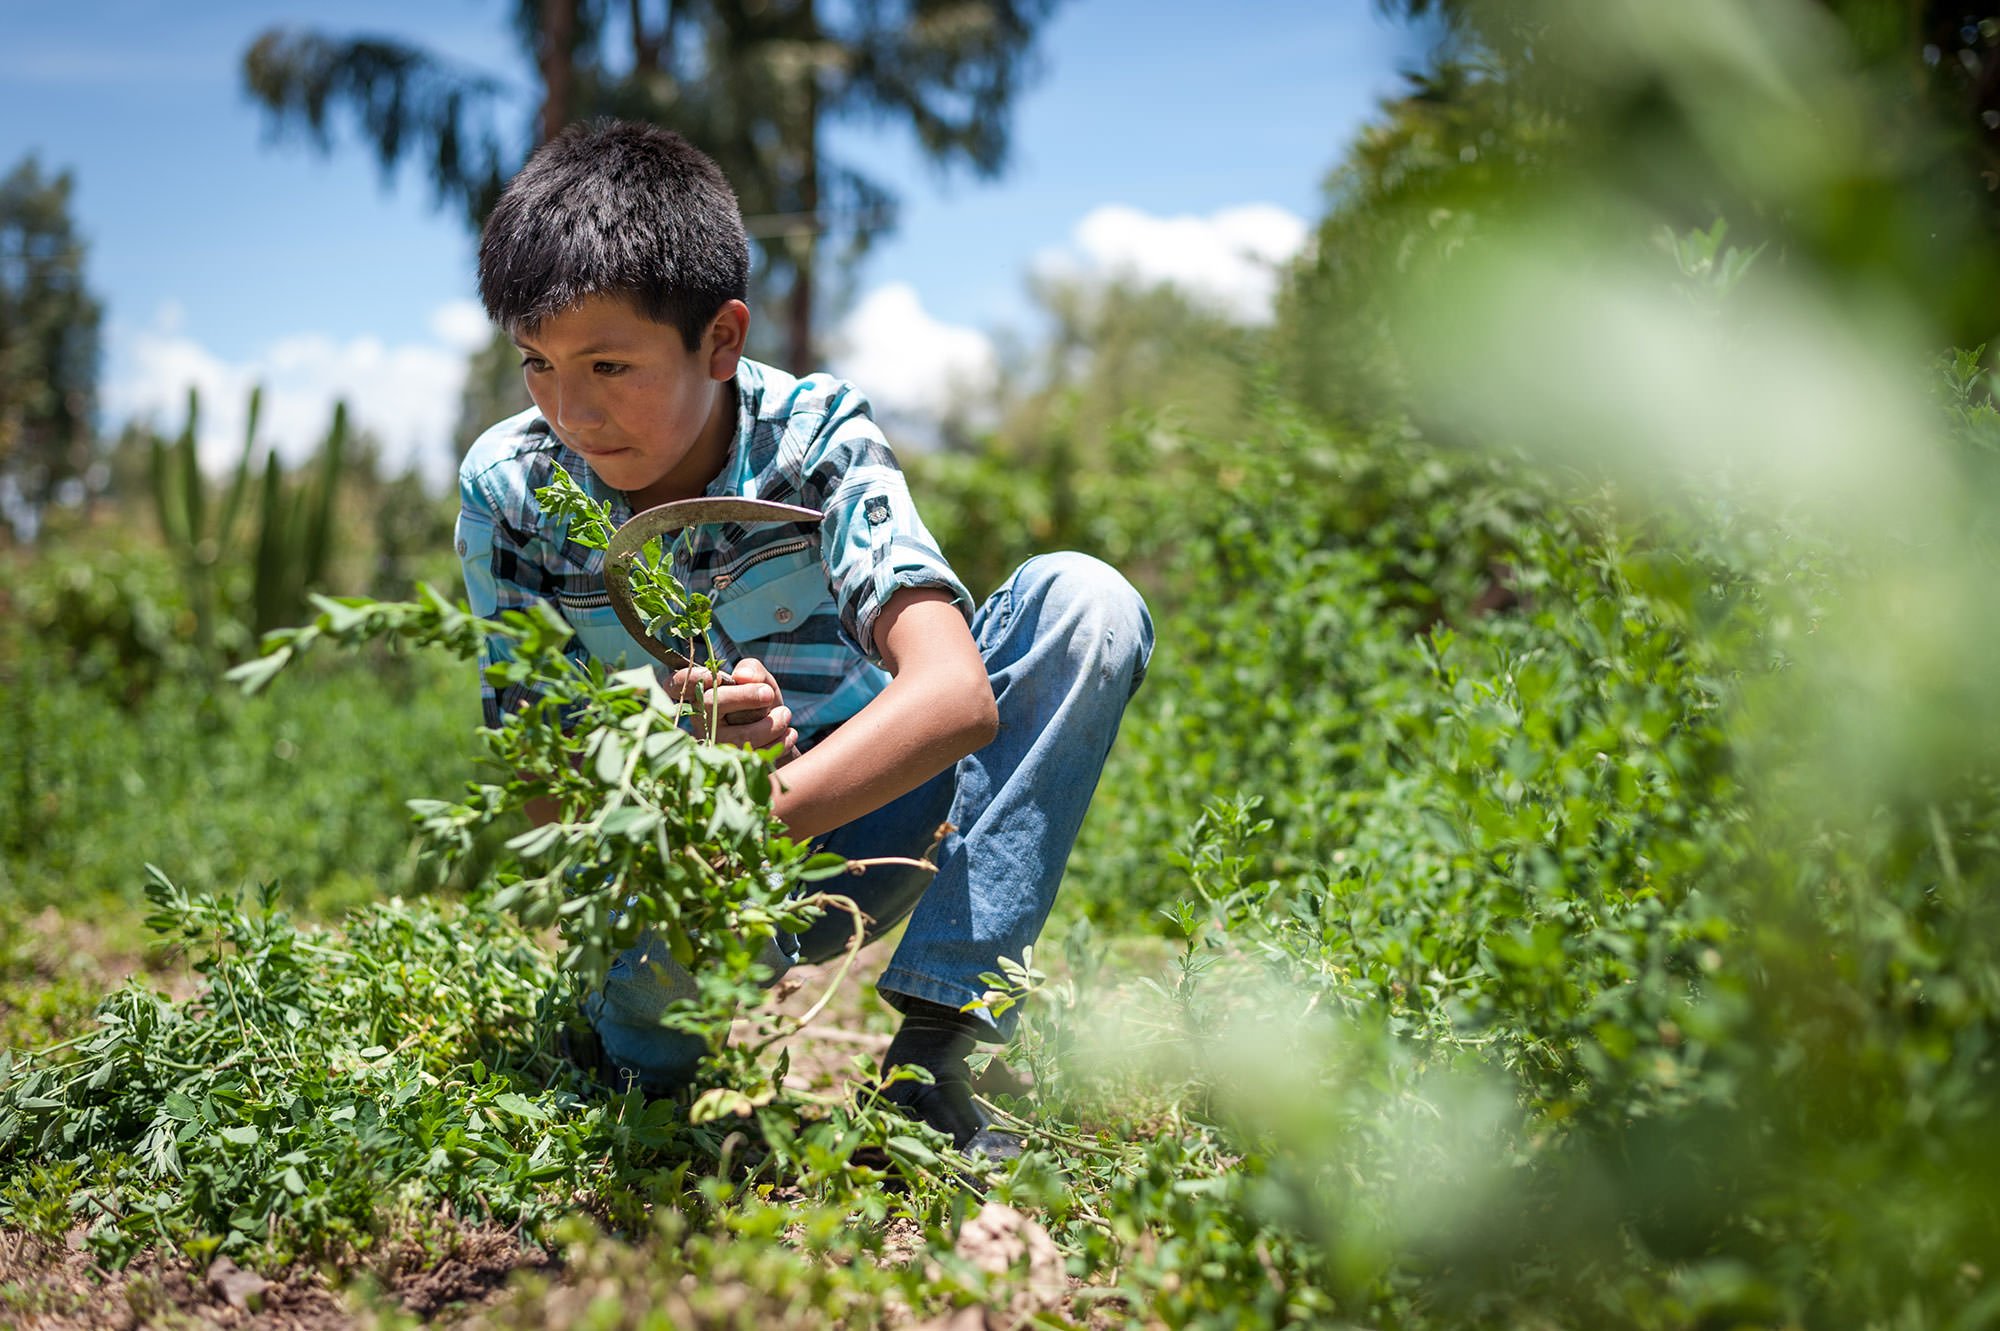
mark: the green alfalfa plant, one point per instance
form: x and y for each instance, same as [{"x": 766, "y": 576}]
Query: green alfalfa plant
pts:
[
  {"x": 654, "y": 830},
  {"x": 669, "y": 609},
  {"x": 310, "y": 1077},
  {"x": 273, "y": 1110}
]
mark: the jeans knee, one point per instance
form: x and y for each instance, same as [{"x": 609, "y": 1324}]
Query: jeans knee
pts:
[{"x": 1105, "y": 613}]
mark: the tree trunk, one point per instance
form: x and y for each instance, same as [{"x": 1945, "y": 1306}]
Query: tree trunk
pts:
[
  {"x": 645, "y": 49},
  {"x": 555, "y": 52},
  {"x": 805, "y": 243}
]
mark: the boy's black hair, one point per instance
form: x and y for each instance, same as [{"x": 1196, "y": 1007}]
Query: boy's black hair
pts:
[{"x": 615, "y": 208}]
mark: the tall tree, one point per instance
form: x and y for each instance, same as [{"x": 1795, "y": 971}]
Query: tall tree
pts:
[
  {"x": 754, "y": 82},
  {"x": 48, "y": 344}
]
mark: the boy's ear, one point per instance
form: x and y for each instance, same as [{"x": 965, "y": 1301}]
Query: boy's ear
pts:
[{"x": 724, "y": 342}]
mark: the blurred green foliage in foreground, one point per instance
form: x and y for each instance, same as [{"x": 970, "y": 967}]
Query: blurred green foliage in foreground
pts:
[{"x": 1564, "y": 790}]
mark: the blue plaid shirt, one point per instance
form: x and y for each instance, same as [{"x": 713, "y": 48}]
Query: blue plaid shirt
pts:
[{"x": 802, "y": 598}]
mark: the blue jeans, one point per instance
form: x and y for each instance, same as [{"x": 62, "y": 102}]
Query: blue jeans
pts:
[{"x": 1066, "y": 641}]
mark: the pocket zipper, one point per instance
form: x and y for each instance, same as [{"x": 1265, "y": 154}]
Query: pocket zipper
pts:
[{"x": 793, "y": 546}]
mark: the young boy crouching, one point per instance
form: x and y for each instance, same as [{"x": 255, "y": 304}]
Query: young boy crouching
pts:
[{"x": 617, "y": 262}]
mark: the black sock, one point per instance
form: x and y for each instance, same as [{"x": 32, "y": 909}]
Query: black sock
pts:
[{"x": 937, "y": 1039}]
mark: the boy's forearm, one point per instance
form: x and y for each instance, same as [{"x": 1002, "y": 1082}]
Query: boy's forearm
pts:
[
  {"x": 937, "y": 708},
  {"x": 914, "y": 729}
]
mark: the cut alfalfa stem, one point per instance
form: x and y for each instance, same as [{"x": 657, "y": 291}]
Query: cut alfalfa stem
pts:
[
  {"x": 854, "y": 942},
  {"x": 1021, "y": 1127}
]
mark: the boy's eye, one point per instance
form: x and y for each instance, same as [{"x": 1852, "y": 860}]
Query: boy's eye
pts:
[
  {"x": 608, "y": 367},
  {"x": 535, "y": 363}
]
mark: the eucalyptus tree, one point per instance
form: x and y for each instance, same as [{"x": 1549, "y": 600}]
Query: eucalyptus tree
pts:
[{"x": 755, "y": 83}]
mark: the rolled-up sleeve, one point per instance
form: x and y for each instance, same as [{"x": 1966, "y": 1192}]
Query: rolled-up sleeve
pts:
[{"x": 872, "y": 540}]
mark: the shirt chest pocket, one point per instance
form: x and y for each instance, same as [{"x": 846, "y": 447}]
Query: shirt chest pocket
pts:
[{"x": 773, "y": 596}]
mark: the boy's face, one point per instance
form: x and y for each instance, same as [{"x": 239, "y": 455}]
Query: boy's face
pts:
[{"x": 650, "y": 416}]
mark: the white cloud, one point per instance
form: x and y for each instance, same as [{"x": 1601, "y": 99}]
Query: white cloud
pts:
[
  {"x": 462, "y": 324},
  {"x": 405, "y": 395},
  {"x": 917, "y": 370},
  {"x": 1228, "y": 260}
]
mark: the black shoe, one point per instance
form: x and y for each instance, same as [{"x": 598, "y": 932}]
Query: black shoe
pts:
[
  {"x": 949, "y": 1107},
  {"x": 577, "y": 1045},
  {"x": 937, "y": 1038}
]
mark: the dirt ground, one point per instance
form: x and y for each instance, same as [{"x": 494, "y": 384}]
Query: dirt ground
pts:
[{"x": 64, "y": 1290}]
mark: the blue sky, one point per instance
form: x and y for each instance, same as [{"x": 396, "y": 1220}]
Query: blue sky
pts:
[{"x": 222, "y": 257}]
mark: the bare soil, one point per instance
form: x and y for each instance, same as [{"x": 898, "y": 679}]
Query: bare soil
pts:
[{"x": 63, "y": 1289}]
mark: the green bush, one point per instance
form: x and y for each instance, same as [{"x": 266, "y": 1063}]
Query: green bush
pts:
[{"x": 306, "y": 790}]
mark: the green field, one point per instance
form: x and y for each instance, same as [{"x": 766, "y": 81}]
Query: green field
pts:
[{"x": 1548, "y": 877}]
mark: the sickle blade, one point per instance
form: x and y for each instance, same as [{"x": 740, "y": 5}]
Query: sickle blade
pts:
[
  {"x": 629, "y": 542},
  {"x": 618, "y": 582}
]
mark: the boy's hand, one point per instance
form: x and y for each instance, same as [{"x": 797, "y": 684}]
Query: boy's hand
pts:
[{"x": 748, "y": 703}]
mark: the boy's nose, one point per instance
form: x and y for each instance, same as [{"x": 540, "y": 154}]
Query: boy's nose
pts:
[{"x": 577, "y": 409}]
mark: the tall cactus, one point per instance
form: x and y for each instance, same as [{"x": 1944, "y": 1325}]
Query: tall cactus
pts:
[
  {"x": 319, "y": 529},
  {"x": 270, "y": 590},
  {"x": 295, "y": 533},
  {"x": 294, "y": 538},
  {"x": 180, "y": 499}
]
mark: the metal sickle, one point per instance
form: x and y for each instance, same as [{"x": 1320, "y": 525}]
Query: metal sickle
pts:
[{"x": 629, "y": 542}]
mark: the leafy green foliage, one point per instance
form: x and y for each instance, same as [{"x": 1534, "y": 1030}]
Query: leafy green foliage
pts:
[
  {"x": 1527, "y": 786},
  {"x": 652, "y": 829},
  {"x": 303, "y": 1085},
  {"x": 114, "y": 619},
  {"x": 666, "y": 607},
  {"x": 323, "y": 1087},
  {"x": 229, "y": 790},
  {"x": 313, "y": 1074},
  {"x": 739, "y": 1271}
]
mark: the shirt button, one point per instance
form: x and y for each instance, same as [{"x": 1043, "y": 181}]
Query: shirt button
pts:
[{"x": 783, "y": 615}]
